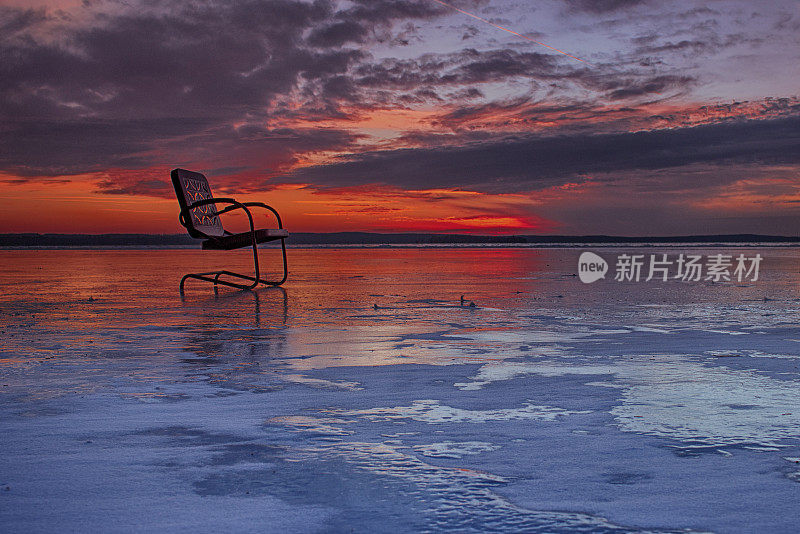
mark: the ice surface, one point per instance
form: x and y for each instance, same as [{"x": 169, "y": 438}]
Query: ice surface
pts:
[
  {"x": 677, "y": 396},
  {"x": 551, "y": 406},
  {"x": 454, "y": 449},
  {"x": 430, "y": 411}
]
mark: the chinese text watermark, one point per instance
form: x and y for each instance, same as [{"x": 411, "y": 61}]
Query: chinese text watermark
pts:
[{"x": 664, "y": 267}]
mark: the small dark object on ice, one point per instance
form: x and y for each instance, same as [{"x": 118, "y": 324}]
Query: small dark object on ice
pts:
[
  {"x": 91, "y": 298},
  {"x": 463, "y": 300},
  {"x": 374, "y": 306}
]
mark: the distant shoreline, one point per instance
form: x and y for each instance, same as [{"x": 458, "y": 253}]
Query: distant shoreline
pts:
[{"x": 377, "y": 240}]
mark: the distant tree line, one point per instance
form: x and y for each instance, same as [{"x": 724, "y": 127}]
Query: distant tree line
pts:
[{"x": 369, "y": 238}]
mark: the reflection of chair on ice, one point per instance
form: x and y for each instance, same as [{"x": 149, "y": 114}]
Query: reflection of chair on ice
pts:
[
  {"x": 234, "y": 330},
  {"x": 284, "y": 306},
  {"x": 200, "y": 217},
  {"x": 232, "y": 309}
]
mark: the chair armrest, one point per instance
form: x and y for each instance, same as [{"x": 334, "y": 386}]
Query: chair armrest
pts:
[
  {"x": 266, "y": 207},
  {"x": 234, "y": 205}
]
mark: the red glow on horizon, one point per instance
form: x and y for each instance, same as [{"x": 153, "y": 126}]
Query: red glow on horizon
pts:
[{"x": 75, "y": 205}]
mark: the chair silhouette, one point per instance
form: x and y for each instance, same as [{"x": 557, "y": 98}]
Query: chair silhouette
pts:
[{"x": 200, "y": 216}]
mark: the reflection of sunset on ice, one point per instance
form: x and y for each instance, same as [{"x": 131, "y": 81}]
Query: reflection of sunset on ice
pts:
[{"x": 366, "y": 390}]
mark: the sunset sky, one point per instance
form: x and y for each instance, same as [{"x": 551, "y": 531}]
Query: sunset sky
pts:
[{"x": 661, "y": 118}]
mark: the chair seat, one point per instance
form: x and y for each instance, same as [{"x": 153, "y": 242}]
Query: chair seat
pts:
[{"x": 245, "y": 239}]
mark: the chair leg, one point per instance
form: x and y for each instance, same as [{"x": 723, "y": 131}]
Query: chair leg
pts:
[{"x": 207, "y": 277}]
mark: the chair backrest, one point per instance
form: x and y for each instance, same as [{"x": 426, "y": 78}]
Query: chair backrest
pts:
[{"x": 191, "y": 187}]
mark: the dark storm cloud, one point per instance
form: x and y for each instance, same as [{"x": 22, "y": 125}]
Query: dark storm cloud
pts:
[
  {"x": 466, "y": 113},
  {"x": 601, "y": 6},
  {"x": 469, "y": 33},
  {"x": 107, "y": 92},
  {"x": 656, "y": 84},
  {"x": 467, "y": 66},
  {"x": 130, "y": 88},
  {"x": 534, "y": 163},
  {"x": 384, "y": 11},
  {"x": 694, "y": 46},
  {"x": 154, "y": 186},
  {"x": 115, "y": 88},
  {"x": 203, "y": 60},
  {"x": 364, "y": 17},
  {"x": 498, "y": 64},
  {"x": 262, "y": 150},
  {"x": 52, "y": 148},
  {"x": 353, "y": 25},
  {"x": 338, "y": 34},
  {"x": 701, "y": 42},
  {"x": 14, "y": 20}
]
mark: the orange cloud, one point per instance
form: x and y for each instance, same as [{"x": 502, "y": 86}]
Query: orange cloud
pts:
[{"x": 75, "y": 205}]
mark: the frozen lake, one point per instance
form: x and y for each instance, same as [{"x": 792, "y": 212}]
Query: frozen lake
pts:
[{"x": 364, "y": 397}]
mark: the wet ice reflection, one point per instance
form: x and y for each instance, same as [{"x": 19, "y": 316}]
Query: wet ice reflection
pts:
[
  {"x": 454, "y": 449},
  {"x": 368, "y": 373},
  {"x": 456, "y": 499},
  {"x": 430, "y": 411},
  {"x": 678, "y": 397}
]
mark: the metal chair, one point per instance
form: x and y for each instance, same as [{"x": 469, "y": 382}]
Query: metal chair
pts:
[{"x": 200, "y": 217}]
